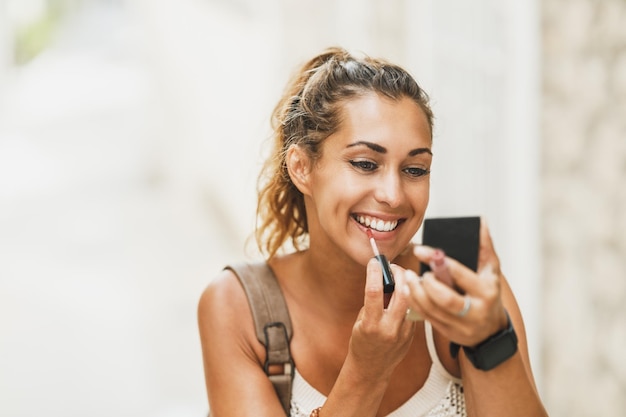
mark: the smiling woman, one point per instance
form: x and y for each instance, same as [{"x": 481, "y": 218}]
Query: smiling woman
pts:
[
  {"x": 351, "y": 166},
  {"x": 308, "y": 113},
  {"x": 375, "y": 166}
]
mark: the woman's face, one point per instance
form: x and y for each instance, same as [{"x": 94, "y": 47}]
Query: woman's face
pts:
[{"x": 374, "y": 173}]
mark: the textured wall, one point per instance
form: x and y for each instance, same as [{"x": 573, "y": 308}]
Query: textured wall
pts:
[{"x": 584, "y": 206}]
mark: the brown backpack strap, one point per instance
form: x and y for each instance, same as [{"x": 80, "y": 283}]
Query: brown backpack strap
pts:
[{"x": 271, "y": 321}]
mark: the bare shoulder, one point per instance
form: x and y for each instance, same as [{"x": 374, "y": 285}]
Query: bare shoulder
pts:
[
  {"x": 229, "y": 344},
  {"x": 224, "y": 313},
  {"x": 221, "y": 296},
  {"x": 222, "y": 291},
  {"x": 231, "y": 353}
]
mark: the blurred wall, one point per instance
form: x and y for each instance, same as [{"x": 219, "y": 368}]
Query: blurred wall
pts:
[{"x": 584, "y": 206}]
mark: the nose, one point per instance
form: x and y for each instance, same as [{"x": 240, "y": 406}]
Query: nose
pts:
[{"x": 389, "y": 190}]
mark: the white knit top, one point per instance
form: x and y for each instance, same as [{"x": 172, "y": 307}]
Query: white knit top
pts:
[{"x": 441, "y": 395}]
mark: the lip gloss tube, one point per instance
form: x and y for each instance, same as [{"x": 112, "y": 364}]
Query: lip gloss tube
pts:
[
  {"x": 439, "y": 267},
  {"x": 389, "y": 283}
]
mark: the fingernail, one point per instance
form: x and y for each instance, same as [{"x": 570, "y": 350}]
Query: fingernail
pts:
[
  {"x": 421, "y": 251},
  {"x": 411, "y": 276},
  {"x": 406, "y": 290},
  {"x": 427, "y": 276}
]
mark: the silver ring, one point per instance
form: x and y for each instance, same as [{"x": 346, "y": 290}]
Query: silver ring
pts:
[{"x": 466, "y": 306}]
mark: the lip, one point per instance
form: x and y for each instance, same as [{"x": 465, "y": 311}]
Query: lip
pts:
[{"x": 379, "y": 235}]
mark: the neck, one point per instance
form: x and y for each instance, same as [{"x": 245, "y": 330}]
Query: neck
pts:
[{"x": 339, "y": 279}]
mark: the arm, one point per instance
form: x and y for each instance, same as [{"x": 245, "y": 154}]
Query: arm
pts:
[
  {"x": 509, "y": 388},
  {"x": 233, "y": 357}
]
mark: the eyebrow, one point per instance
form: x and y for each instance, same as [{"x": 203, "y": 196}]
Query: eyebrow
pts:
[{"x": 381, "y": 149}]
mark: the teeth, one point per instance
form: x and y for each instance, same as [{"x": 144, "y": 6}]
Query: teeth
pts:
[{"x": 377, "y": 224}]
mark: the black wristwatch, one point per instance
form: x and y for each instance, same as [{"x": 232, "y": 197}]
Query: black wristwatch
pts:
[{"x": 493, "y": 351}]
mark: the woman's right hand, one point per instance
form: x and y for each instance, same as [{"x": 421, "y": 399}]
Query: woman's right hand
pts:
[
  {"x": 381, "y": 336},
  {"x": 380, "y": 339}
]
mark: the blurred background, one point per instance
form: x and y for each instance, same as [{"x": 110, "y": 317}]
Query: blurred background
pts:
[{"x": 132, "y": 132}]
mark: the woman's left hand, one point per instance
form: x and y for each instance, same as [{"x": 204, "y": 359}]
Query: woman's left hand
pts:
[{"x": 466, "y": 319}]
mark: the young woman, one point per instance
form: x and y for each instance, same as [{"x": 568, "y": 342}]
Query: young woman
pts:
[{"x": 353, "y": 140}]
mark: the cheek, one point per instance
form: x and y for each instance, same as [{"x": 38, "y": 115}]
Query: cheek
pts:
[
  {"x": 420, "y": 197},
  {"x": 337, "y": 186},
  {"x": 327, "y": 196},
  {"x": 339, "y": 196},
  {"x": 426, "y": 194},
  {"x": 420, "y": 193}
]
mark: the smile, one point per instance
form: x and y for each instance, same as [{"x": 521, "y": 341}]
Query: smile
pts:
[{"x": 376, "y": 224}]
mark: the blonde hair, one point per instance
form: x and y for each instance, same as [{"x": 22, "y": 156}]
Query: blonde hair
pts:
[{"x": 307, "y": 113}]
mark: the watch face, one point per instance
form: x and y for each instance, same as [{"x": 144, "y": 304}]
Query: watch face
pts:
[
  {"x": 494, "y": 350},
  {"x": 497, "y": 351}
]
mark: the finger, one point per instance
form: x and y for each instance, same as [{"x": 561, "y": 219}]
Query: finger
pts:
[
  {"x": 484, "y": 285},
  {"x": 397, "y": 309},
  {"x": 486, "y": 252},
  {"x": 446, "y": 303},
  {"x": 399, "y": 303},
  {"x": 423, "y": 253},
  {"x": 490, "y": 284},
  {"x": 410, "y": 289},
  {"x": 464, "y": 278},
  {"x": 420, "y": 300},
  {"x": 439, "y": 266},
  {"x": 373, "y": 301},
  {"x": 439, "y": 263},
  {"x": 426, "y": 307}
]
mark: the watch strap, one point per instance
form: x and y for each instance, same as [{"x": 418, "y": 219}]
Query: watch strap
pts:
[{"x": 493, "y": 351}]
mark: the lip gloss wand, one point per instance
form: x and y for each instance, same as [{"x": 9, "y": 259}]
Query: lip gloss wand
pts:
[{"x": 388, "y": 281}]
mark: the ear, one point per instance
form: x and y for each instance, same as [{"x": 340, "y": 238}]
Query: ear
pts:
[{"x": 299, "y": 168}]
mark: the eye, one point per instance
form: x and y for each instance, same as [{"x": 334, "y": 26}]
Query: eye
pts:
[
  {"x": 364, "y": 165},
  {"x": 416, "y": 172}
]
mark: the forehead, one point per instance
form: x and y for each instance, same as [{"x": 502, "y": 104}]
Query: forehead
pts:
[{"x": 379, "y": 119}]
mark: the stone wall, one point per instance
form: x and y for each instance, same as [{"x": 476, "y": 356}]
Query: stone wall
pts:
[{"x": 584, "y": 207}]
